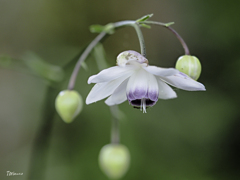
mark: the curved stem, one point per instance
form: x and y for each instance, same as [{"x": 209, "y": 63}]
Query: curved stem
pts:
[
  {"x": 82, "y": 58},
  {"x": 185, "y": 47},
  {"x": 141, "y": 39},
  {"x": 97, "y": 40},
  {"x": 167, "y": 25},
  {"x": 138, "y": 31}
]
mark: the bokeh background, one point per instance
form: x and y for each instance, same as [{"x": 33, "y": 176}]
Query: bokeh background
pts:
[{"x": 193, "y": 137}]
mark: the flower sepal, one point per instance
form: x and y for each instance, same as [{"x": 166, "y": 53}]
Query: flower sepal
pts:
[
  {"x": 68, "y": 104},
  {"x": 189, "y": 65},
  {"x": 114, "y": 160}
]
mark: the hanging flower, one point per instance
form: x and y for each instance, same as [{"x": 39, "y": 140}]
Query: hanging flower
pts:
[{"x": 134, "y": 80}]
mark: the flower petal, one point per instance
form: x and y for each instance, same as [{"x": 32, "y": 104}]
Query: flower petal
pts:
[
  {"x": 165, "y": 91},
  {"x": 137, "y": 86},
  {"x": 102, "y": 90},
  {"x": 111, "y": 74},
  {"x": 182, "y": 81},
  {"x": 119, "y": 95},
  {"x": 162, "y": 72},
  {"x": 152, "y": 87}
]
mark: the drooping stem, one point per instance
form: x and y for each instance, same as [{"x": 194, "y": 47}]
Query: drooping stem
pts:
[
  {"x": 115, "y": 129},
  {"x": 97, "y": 40},
  {"x": 141, "y": 39},
  {"x": 82, "y": 58},
  {"x": 167, "y": 25},
  {"x": 115, "y": 138},
  {"x": 185, "y": 47}
]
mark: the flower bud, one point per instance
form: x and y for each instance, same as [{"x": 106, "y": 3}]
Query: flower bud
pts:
[
  {"x": 189, "y": 65},
  {"x": 68, "y": 105},
  {"x": 125, "y": 57},
  {"x": 114, "y": 160}
]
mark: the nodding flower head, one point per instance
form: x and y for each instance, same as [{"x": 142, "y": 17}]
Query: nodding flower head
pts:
[{"x": 134, "y": 80}]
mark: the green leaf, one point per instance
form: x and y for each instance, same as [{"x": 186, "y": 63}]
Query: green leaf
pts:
[
  {"x": 84, "y": 66},
  {"x": 99, "y": 55},
  {"x": 96, "y": 28},
  {"x": 145, "y": 25},
  {"x": 144, "y": 18},
  {"x": 169, "y": 24},
  {"x": 109, "y": 28},
  {"x": 43, "y": 69}
]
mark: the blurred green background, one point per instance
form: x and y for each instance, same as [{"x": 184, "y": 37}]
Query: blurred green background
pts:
[{"x": 193, "y": 137}]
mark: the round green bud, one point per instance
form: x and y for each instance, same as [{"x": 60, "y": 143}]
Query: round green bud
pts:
[
  {"x": 114, "y": 160},
  {"x": 189, "y": 65},
  {"x": 68, "y": 105}
]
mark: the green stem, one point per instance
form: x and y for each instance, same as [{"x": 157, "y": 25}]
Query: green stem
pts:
[
  {"x": 115, "y": 138},
  {"x": 82, "y": 58},
  {"x": 97, "y": 40},
  {"x": 115, "y": 135},
  {"x": 141, "y": 39},
  {"x": 167, "y": 25}
]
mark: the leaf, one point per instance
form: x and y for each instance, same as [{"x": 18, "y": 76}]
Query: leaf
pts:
[
  {"x": 99, "y": 55},
  {"x": 109, "y": 28},
  {"x": 169, "y": 24},
  {"x": 84, "y": 66},
  {"x": 144, "y": 18},
  {"x": 145, "y": 25},
  {"x": 43, "y": 69},
  {"x": 96, "y": 28}
]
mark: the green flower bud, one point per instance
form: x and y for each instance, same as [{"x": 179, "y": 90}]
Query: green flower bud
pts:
[
  {"x": 68, "y": 105},
  {"x": 114, "y": 160},
  {"x": 189, "y": 65}
]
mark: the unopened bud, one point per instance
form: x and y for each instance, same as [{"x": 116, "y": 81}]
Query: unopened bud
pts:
[
  {"x": 68, "y": 104},
  {"x": 189, "y": 65},
  {"x": 114, "y": 160}
]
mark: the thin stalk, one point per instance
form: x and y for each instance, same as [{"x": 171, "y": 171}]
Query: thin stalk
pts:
[
  {"x": 185, "y": 47},
  {"x": 115, "y": 138},
  {"x": 141, "y": 39},
  {"x": 167, "y": 25},
  {"x": 82, "y": 58},
  {"x": 97, "y": 40},
  {"x": 115, "y": 129}
]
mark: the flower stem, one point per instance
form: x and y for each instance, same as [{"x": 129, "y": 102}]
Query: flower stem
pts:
[
  {"x": 97, "y": 40},
  {"x": 185, "y": 47},
  {"x": 115, "y": 138},
  {"x": 82, "y": 58},
  {"x": 115, "y": 129},
  {"x": 167, "y": 25},
  {"x": 141, "y": 39}
]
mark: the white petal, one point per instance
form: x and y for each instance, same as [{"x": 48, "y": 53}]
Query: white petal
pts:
[
  {"x": 102, "y": 90},
  {"x": 152, "y": 87},
  {"x": 162, "y": 72},
  {"x": 111, "y": 74},
  {"x": 182, "y": 81},
  {"x": 165, "y": 91},
  {"x": 119, "y": 95},
  {"x": 137, "y": 85}
]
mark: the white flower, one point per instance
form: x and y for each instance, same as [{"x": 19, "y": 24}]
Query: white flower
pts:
[{"x": 134, "y": 80}]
